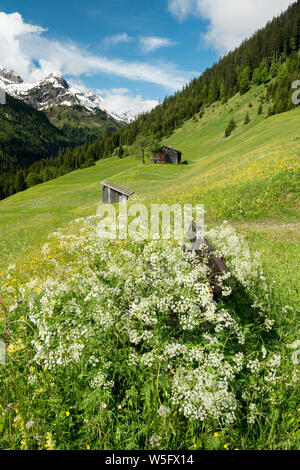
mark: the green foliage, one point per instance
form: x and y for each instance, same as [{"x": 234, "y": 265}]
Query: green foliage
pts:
[
  {"x": 280, "y": 91},
  {"x": 32, "y": 179},
  {"x": 282, "y": 72},
  {"x": 79, "y": 125},
  {"x": 261, "y": 73},
  {"x": 26, "y": 135},
  {"x": 244, "y": 80},
  {"x": 230, "y": 127},
  {"x": 146, "y": 142},
  {"x": 247, "y": 119},
  {"x": 88, "y": 163},
  {"x": 121, "y": 151},
  {"x": 20, "y": 184},
  {"x": 274, "y": 69},
  {"x": 46, "y": 169},
  {"x": 139, "y": 374}
]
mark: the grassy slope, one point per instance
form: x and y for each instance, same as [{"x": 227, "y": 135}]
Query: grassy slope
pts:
[
  {"x": 246, "y": 179},
  {"x": 249, "y": 179}
]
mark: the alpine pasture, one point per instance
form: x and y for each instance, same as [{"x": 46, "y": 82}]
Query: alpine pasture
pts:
[{"x": 106, "y": 347}]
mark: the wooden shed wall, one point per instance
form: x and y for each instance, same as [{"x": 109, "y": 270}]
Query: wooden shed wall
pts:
[
  {"x": 167, "y": 155},
  {"x": 111, "y": 196}
]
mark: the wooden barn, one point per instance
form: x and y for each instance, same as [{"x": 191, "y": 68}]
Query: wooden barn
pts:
[
  {"x": 114, "y": 193},
  {"x": 167, "y": 155}
]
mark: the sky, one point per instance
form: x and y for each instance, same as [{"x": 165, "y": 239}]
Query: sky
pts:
[{"x": 131, "y": 52}]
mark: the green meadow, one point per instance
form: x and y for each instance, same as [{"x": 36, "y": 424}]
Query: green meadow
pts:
[{"x": 250, "y": 179}]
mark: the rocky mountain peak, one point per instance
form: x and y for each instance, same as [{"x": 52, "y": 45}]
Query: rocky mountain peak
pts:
[
  {"x": 52, "y": 91},
  {"x": 56, "y": 79},
  {"x": 8, "y": 77}
]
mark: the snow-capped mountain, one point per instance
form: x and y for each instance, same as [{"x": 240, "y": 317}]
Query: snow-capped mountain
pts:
[
  {"x": 7, "y": 77},
  {"x": 54, "y": 91},
  {"x": 125, "y": 116}
]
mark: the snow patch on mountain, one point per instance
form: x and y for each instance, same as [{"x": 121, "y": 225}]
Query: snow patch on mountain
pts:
[
  {"x": 54, "y": 90},
  {"x": 125, "y": 116}
]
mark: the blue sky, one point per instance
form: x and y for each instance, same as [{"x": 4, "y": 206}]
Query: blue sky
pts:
[{"x": 133, "y": 52}]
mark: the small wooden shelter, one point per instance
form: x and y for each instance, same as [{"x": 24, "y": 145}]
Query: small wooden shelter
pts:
[
  {"x": 167, "y": 155},
  {"x": 114, "y": 193}
]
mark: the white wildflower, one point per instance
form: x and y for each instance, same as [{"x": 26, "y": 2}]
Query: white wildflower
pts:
[{"x": 164, "y": 411}]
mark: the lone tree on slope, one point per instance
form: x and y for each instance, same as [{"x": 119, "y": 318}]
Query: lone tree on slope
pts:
[{"x": 144, "y": 143}]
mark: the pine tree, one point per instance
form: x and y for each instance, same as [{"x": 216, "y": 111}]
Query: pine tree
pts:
[
  {"x": 33, "y": 179},
  {"x": 20, "y": 184},
  {"x": 230, "y": 127},
  {"x": 283, "y": 71},
  {"x": 274, "y": 69},
  {"x": 244, "y": 81},
  {"x": 120, "y": 151},
  {"x": 247, "y": 119}
]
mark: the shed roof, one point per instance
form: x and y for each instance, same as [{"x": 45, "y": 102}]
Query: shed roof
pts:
[
  {"x": 170, "y": 148},
  {"x": 118, "y": 189}
]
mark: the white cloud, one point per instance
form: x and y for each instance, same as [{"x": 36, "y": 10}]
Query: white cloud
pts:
[
  {"x": 146, "y": 43},
  {"x": 152, "y": 43},
  {"x": 12, "y": 29},
  {"x": 117, "y": 39},
  {"x": 182, "y": 8},
  {"x": 22, "y": 47},
  {"x": 230, "y": 21},
  {"x": 118, "y": 100}
]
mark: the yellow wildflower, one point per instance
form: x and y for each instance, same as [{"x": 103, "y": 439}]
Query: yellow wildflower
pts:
[{"x": 10, "y": 349}]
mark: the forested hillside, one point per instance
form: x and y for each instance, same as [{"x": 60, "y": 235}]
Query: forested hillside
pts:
[
  {"x": 271, "y": 55},
  {"x": 27, "y": 137},
  {"x": 79, "y": 125}
]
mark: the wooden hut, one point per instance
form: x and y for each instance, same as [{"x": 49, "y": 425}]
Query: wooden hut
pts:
[
  {"x": 167, "y": 155},
  {"x": 114, "y": 193}
]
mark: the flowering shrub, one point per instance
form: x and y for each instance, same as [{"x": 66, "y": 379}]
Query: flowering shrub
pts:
[{"x": 123, "y": 343}]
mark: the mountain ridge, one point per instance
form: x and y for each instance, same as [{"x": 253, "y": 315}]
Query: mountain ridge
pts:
[{"x": 54, "y": 90}]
